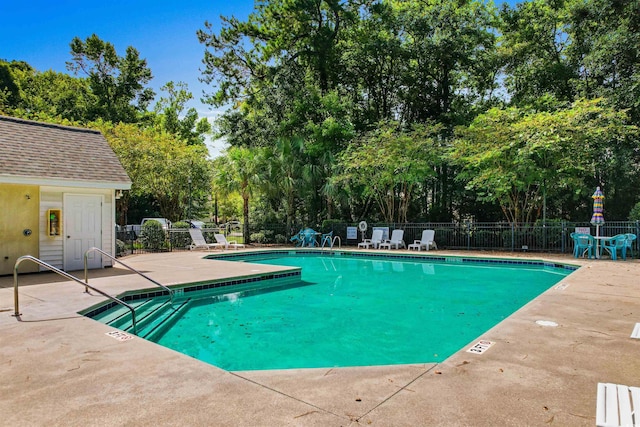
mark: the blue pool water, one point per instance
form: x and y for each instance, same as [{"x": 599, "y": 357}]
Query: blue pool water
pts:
[{"x": 350, "y": 311}]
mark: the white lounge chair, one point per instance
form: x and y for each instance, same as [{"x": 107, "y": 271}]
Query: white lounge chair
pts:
[
  {"x": 395, "y": 240},
  {"x": 425, "y": 242},
  {"x": 223, "y": 242},
  {"x": 636, "y": 333},
  {"x": 617, "y": 405},
  {"x": 199, "y": 241},
  {"x": 375, "y": 240}
]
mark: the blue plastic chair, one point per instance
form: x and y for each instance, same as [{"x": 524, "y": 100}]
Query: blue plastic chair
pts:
[
  {"x": 298, "y": 239},
  {"x": 583, "y": 243},
  {"x": 629, "y": 243},
  {"x": 308, "y": 236},
  {"x": 615, "y": 244}
]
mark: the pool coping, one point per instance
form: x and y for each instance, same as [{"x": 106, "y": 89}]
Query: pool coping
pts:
[
  {"x": 532, "y": 374},
  {"x": 398, "y": 256}
]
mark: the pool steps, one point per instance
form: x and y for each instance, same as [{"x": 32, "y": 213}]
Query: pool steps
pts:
[{"x": 153, "y": 316}]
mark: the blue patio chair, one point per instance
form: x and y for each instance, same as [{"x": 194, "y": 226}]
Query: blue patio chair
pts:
[
  {"x": 615, "y": 244},
  {"x": 629, "y": 243},
  {"x": 308, "y": 236},
  {"x": 298, "y": 238},
  {"x": 583, "y": 243}
]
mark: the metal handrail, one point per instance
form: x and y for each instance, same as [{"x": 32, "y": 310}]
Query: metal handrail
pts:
[
  {"x": 68, "y": 276},
  {"x": 86, "y": 270},
  {"x": 332, "y": 243}
]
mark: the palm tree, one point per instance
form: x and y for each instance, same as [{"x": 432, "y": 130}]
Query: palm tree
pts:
[
  {"x": 238, "y": 171},
  {"x": 286, "y": 174}
]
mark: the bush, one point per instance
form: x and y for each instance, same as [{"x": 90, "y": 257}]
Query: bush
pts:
[
  {"x": 120, "y": 247},
  {"x": 446, "y": 237},
  {"x": 263, "y": 237},
  {"x": 152, "y": 236},
  {"x": 634, "y": 215},
  {"x": 180, "y": 239}
]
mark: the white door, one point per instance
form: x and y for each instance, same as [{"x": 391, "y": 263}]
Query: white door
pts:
[{"x": 82, "y": 230}]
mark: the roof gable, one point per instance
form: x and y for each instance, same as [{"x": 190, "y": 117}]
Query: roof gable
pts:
[{"x": 44, "y": 152}]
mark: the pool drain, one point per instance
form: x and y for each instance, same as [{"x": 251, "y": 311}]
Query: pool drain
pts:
[{"x": 547, "y": 323}]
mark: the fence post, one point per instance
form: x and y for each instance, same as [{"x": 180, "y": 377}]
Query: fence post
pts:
[
  {"x": 563, "y": 235},
  {"x": 513, "y": 237},
  {"x": 468, "y": 236}
]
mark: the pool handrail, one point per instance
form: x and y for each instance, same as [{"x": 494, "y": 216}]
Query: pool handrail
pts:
[
  {"x": 332, "y": 243},
  {"x": 68, "y": 276},
  {"x": 86, "y": 270}
]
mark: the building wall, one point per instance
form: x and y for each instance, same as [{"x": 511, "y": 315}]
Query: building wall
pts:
[
  {"x": 24, "y": 207},
  {"x": 19, "y": 207}
]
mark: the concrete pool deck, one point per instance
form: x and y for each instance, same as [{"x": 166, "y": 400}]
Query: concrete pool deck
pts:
[{"x": 60, "y": 368}]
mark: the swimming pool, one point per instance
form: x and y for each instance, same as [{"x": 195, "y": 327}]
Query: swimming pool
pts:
[{"x": 356, "y": 310}]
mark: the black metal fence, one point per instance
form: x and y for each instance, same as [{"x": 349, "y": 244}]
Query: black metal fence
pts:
[{"x": 552, "y": 236}]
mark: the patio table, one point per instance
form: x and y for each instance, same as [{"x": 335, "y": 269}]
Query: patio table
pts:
[{"x": 598, "y": 249}]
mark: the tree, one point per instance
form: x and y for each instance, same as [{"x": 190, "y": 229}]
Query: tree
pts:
[
  {"x": 175, "y": 174},
  {"x": 520, "y": 158},
  {"x": 388, "y": 165},
  {"x": 47, "y": 95},
  {"x": 606, "y": 47},
  {"x": 534, "y": 45},
  {"x": 116, "y": 82},
  {"x": 450, "y": 48},
  {"x": 170, "y": 115},
  {"x": 238, "y": 171}
]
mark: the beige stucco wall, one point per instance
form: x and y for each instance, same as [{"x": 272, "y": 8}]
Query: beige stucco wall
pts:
[{"x": 19, "y": 211}]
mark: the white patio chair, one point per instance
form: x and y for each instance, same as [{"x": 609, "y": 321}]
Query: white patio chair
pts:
[
  {"x": 223, "y": 242},
  {"x": 375, "y": 240},
  {"x": 425, "y": 242},
  {"x": 199, "y": 241},
  {"x": 395, "y": 240},
  {"x": 617, "y": 405}
]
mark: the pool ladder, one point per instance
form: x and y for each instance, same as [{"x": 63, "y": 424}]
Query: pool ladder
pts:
[
  {"x": 86, "y": 281},
  {"x": 94, "y": 249},
  {"x": 68, "y": 276},
  {"x": 332, "y": 243}
]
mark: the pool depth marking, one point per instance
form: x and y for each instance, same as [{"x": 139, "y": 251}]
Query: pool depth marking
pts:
[
  {"x": 480, "y": 347},
  {"x": 120, "y": 335}
]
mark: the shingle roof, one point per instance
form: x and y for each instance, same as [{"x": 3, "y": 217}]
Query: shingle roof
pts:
[{"x": 53, "y": 154}]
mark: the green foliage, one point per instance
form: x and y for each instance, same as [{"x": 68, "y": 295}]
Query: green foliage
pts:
[
  {"x": 634, "y": 215},
  {"x": 48, "y": 96},
  {"x": 239, "y": 171},
  {"x": 171, "y": 117},
  {"x": 182, "y": 238},
  {"x": 534, "y": 49},
  {"x": 517, "y": 158},
  {"x": 310, "y": 83},
  {"x": 121, "y": 248},
  {"x": 388, "y": 164},
  {"x": 116, "y": 81},
  {"x": 329, "y": 224},
  {"x": 263, "y": 237},
  {"x": 159, "y": 165},
  {"x": 152, "y": 236}
]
